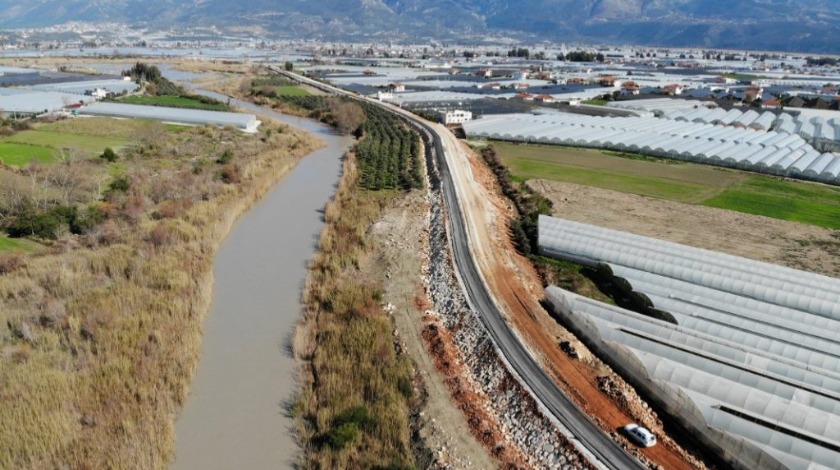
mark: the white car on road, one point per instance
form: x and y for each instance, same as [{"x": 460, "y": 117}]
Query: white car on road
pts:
[{"x": 640, "y": 435}]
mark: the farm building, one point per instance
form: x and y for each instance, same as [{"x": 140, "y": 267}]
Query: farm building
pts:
[
  {"x": 743, "y": 353},
  {"x": 456, "y": 116},
  {"x": 194, "y": 117}
]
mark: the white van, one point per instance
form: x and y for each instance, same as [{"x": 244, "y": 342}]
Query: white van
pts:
[{"x": 640, "y": 435}]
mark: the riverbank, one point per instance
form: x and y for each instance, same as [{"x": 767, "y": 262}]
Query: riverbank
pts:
[
  {"x": 236, "y": 415},
  {"x": 105, "y": 328}
]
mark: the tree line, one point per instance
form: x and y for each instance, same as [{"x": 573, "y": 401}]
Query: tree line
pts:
[{"x": 388, "y": 151}]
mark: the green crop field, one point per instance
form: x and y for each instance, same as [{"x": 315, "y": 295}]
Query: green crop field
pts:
[
  {"x": 58, "y": 140},
  {"x": 292, "y": 91},
  {"x": 629, "y": 183},
  {"x": 682, "y": 182},
  {"x": 787, "y": 200},
  {"x": 20, "y": 155},
  {"x": 174, "y": 102},
  {"x": 797, "y": 201}
]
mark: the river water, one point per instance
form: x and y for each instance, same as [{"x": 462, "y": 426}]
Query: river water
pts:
[{"x": 235, "y": 415}]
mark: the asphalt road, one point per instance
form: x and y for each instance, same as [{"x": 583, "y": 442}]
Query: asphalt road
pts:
[{"x": 607, "y": 453}]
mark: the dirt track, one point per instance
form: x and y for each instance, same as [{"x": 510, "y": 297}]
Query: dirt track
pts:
[
  {"x": 401, "y": 236},
  {"x": 517, "y": 289},
  {"x": 790, "y": 244}
]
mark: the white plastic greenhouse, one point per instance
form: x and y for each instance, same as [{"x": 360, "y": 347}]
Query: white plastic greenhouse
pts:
[
  {"x": 245, "y": 122},
  {"x": 752, "y": 365},
  {"x": 677, "y": 139},
  {"x": 816, "y": 130}
]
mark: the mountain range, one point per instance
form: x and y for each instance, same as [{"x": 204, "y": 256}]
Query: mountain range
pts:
[{"x": 786, "y": 25}]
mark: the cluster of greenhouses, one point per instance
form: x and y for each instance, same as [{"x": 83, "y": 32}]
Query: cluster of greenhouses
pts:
[
  {"x": 761, "y": 151},
  {"x": 744, "y": 353}
]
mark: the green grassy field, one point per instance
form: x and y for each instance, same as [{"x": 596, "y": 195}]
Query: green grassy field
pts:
[
  {"x": 797, "y": 201},
  {"x": 13, "y": 244},
  {"x": 173, "y": 102},
  {"x": 644, "y": 185},
  {"x": 292, "y": 91},
  {"x": 88, "y": 137},
  {"x": 20, "y": 155},
  {"x": 595, "y": 102},
  {"x": 102, "y": 127},
  {"x": 57, "y": 140},
  {"x": 787, "y": 200},
  {"x": 646, "y": 177}
]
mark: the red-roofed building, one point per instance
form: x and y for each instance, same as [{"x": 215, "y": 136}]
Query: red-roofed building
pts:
[
  {"x": 771, "y": 104},
  {"x": 609, "y": 82},
  {"x": 631, "y": 88},
  {"x": 673, "y": 89}
]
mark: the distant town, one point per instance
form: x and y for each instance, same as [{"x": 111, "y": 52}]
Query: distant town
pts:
[{"x": 490, "y": 253}]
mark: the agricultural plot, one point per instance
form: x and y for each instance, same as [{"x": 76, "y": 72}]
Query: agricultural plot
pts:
[
  {"x": 389, "y": 155},
  {"x": 797, "y": 201},
  {"x": 682, "y": 182},
  {"x": 785, "y": 200},
  {"x": 86, "y": 137},
  {"x": 101, "y": 127},
  {"x": 64, "y": 140},
  {"x": 174, "y": 102},
  {"x": 292, "y": 91}
]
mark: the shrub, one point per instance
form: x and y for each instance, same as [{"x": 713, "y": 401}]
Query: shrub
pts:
[
  {"x": 109, "y": 155},
  {"x": 226, "y": 157},
  {"x": 359, "y": 415},
  {"x": 120, "y": 184},
  {"x": 10, "y": 262},
  {"x": 160, "y": 235},
  {"x": 172, "y": 209},
  {"x": 106, "y": 233},
  {"x": 342, "y": 435},
  {"x": 86, "y": 219},
  {"x": 48, "y": 224},
  {"x": 230, "y": 174}
]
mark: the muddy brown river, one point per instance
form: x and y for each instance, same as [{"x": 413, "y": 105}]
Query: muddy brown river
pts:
[{"x": 236, "y": 414}]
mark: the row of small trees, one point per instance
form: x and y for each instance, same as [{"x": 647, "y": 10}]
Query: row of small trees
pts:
[{"x": 388, "y": 152}]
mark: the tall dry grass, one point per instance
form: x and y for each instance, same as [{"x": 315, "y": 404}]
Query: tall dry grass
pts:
[
  {"x": 353, "y": 407},
  {"x": 101, "y": 334}
]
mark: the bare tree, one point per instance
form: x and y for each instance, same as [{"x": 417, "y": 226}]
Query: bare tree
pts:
[{"x": 348, "y": 116}]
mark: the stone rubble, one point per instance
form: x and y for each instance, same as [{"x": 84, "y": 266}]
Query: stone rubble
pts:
[{"x": 519, "y": 420}]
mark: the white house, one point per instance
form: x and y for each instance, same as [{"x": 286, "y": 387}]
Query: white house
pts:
[
  {"x": 456, "y": 116},
  {"x": 520, "y": 75},
  {"x": 97, "y": 93},
  {"x": 384, "y": 95}
]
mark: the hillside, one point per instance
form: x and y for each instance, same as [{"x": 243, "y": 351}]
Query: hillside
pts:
[{"x": 799, "y": 25}]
